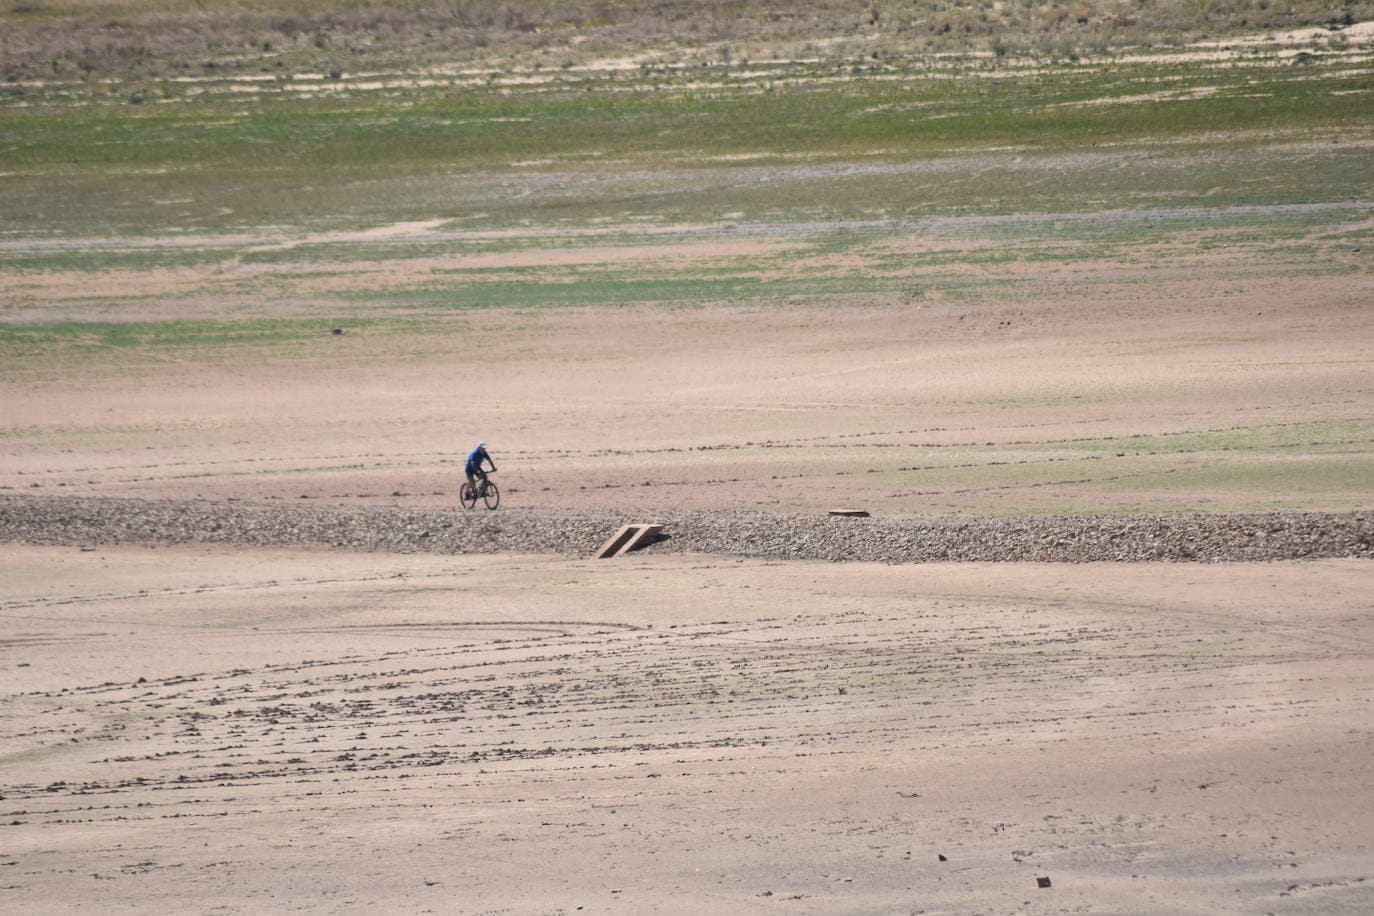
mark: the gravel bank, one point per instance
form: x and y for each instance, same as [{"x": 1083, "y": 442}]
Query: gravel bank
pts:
[{"x": 1131, "y": 538}]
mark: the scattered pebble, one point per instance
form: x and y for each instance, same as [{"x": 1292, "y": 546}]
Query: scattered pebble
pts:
[{"x": 739, "y": 533}]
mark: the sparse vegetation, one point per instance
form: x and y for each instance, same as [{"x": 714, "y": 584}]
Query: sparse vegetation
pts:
[
  {"x": 120, "y": 38},
  {"x": 359, "y": 150}
]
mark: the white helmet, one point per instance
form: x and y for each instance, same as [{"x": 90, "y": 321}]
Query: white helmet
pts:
[{"x": 481, "y": 445}]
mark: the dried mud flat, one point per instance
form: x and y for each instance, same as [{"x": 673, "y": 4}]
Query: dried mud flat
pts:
[{"x": 215, "y": 729}]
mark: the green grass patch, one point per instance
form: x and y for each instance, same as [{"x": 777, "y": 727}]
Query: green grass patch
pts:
[
  {"x": 100, "y": 260},
  {"x": 1284, "y": 478},
  {"x": 598, "y": 291},
  {"x": 203, "y": 339},
  {"x": 1218, "y": 481},
  {"x": 912, "y": 146},
  {"x": 1269, "y": 438}
]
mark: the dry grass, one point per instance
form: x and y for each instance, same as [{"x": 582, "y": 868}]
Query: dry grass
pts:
[{"x": 40, "y": 38}]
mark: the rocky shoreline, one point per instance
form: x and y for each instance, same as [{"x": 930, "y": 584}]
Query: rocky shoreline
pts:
[{"x": 1076, "y": 539}]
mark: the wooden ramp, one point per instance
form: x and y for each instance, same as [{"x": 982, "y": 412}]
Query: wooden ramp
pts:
[{"x": 631, "y": 537}]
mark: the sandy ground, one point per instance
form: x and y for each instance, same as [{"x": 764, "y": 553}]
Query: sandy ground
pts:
[
  {"x": 923, "y": 407},
  {"x": 216, "y": 730},
  {"x": 242, "y": 731}
]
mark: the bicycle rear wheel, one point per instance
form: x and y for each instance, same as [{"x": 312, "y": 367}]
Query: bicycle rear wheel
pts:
[
  {"x": 491, "y": 495},
  {"x": 467, "y": 496}
]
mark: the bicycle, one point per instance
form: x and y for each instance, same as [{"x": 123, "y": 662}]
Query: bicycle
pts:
[{"x": 486, "y": 490}]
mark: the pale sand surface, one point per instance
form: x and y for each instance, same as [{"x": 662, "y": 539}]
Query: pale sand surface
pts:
[
  {"x": 221, "y": 730},
  {"x": 1001, "y": 408}
]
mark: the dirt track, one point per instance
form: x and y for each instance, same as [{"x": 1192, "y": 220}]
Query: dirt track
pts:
[{"x": 1133, "y": 538}]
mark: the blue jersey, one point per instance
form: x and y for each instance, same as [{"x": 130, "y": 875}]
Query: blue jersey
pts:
[{"x": 475, "y": 460}]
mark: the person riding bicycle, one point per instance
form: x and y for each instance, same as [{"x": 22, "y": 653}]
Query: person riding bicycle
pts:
[{"x": 474, "y": 466}]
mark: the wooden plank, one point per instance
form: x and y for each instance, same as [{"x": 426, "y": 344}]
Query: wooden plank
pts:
[
  {"x": 617, "y": 541},
  {"x": 641, "y": 538},
  {"x": 627, "y": 539}
]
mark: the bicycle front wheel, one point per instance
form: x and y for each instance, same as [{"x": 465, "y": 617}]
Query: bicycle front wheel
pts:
[
  {"x": 491, "y": 495},
  {"x": 467, "y": 496}
]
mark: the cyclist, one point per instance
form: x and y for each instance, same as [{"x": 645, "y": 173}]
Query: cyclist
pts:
[{"x": 474, "y": 467}]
